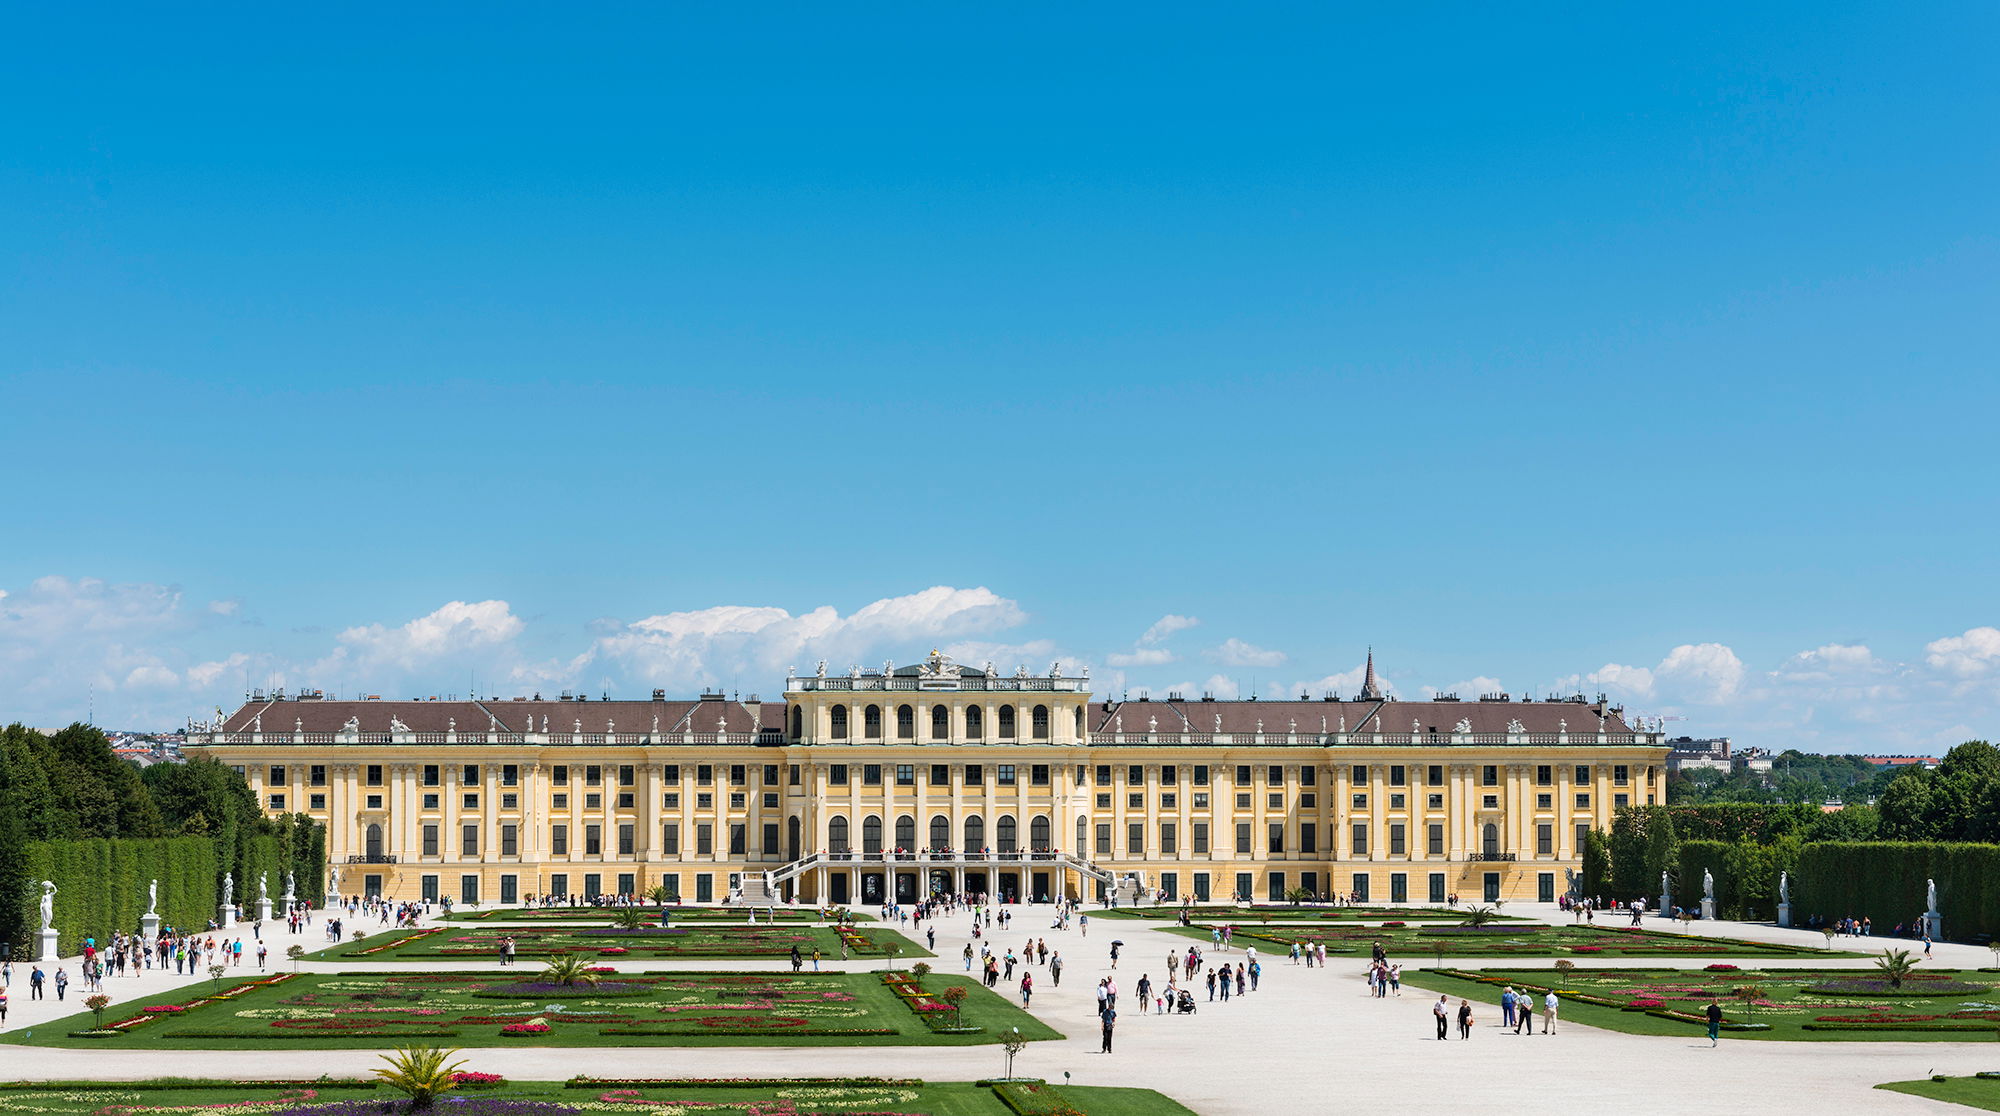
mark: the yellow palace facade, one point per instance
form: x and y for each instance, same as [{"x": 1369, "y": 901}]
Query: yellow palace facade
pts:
[{"x": 893, "y": 783}]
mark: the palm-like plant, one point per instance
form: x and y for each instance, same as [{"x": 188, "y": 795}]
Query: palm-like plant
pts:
[
  {"x": 1479, "y": 916},
  {"x": 420, "y": 1073},
  {"x": 660, "y": 894},
  {"x": 1299, "y": 895},
  {"x": 1896, "y": 964},
  {"x": 628, "y": 918},
  {"x": 569, "y": 970}
]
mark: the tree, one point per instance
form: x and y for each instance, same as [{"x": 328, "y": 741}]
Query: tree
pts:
[
  {"x": 569, "y": 970},
  {"x": 1662, "y": 848},
  {"x": 1596, "y": 863},
  {"x": 420, "y": 1073},
  {"x": 1896, "y": 965}
]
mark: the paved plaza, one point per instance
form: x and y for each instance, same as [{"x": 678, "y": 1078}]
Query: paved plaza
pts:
[{"x": 1308, "y": 1039}]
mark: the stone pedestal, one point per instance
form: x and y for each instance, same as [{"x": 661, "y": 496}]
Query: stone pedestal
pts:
[
  {"x": 1708, "y": 909},
  {"x": 264, "y": 910},
  {"x": 149, "y": 928},
  {"x": 225, "y": 916},
  {"x": 51, "y": 952},
  {"x": 1666, "y": 904},
  {"x": 1785, "y": 915},
  {"x": 1934, "y": 925}
]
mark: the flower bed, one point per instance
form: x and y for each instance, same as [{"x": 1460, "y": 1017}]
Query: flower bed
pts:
[{"x": 1911, "y": 986}]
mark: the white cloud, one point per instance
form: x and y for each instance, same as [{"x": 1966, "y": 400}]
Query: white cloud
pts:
[
  {"x": 225, "y": 608},
  {"x": 1965, "y": 656},
  {"x": 452, "y": 628},
  {"x": 1165, "y": 626},
  {"x": 1469, "y": 689},
  {"x": 1704, "y": 672},
  {"x": 1144, "y": 656},
  {"x": 1827, "y": 662},
  {"x": 151, "y": 677},
  {"x": 1235, "y": 652},
  {"x": 1223, "y": 687}
]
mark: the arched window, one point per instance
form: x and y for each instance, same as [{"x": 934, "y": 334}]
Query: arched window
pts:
[
  {"x": 1004, "y": 830},
  {"x": 1491, "y": 839},
  {"x": 1041, "y": 722},
  {"x": 940, "y": 723},
  {"x": 940, "y": 832},
  {"x": 975, "y": 722},
  {"x": 871, "y": 723},
  {"x": 1038, "y": 834},
  {"x": 1082, "y": 835},
  {"x": 1006, "y": 722},
  {"x": 374, "y": 840},
  {"x": 906, "y": 832},
  {"x": 906, "y": 722},
  {"x": 871, "y": 835},
  {"x": 798, "y": 723},
  {"x": 792, "y": 839},
  {"x": 840, "y": 722},
  {"x": 836, "y": 835},
  {"x": 975, "y": 833}
]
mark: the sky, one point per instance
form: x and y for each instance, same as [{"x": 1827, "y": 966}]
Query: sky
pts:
[{"x": 497, "y": 349}]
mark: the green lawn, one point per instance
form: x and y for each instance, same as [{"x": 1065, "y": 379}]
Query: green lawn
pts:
[
  {"x": 807, "y": 1098},
  {"x": 676, "y": 915},
  {"x": 512, "y": 1007},
  {"x": 1239, "y": 916},
  {"x": 1840, "y": 1005},
  {"x": 482, "y": 943},
  {"x": 1507, "y": 939},
  {"x": 1973, "y": 1092}
]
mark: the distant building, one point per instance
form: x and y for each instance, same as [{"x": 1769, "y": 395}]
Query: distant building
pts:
[
  {"x": 1685, "y": 753},
  {"x": 1925, "y": 762}
]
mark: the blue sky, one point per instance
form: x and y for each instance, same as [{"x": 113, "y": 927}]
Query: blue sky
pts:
[{"x": 381, "y": 349}]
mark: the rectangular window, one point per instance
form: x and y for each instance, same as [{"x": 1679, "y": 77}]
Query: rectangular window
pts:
[
  {"x": 1200, "y": 838},
  {"x": 1397, "y": 844},
  {"x": 626, "y": 775},
  {"x": 1434, "y": 775},
  {"x": 1489, "y": 776},
  {"x": 510, "y": 802},
  {"x": 1398, "y": 775},
  {"x": 940, "y": 774},
  {"x": 1003, "y": 774},
  {"x": 1434, "y": 801},
  {"x": 1309, "y": 838},
  {"x": 1307, "y": 774},
  {"x": 704, "y": 800},
  {"x": 770, "y": 847},
  {"x": 627, "y": 838},
  {"x": 1437, "y": 887},
  {"x": 1168, "y": 774},
  {"x": 771, "y": 800},
  {"x": 871, "y": 774},
  {"x": 470, "y": 801},
  {"x": 736, "y": 839},
  {"x": 1103, "y": 775},
  {"x": 593, "y": 775},
  {"x": 559, "y": 840},
  {"x": 559, "y": 775},
  {"x": 770, "y": 774},
  {"x": 316, "y": 802},
  {"x": 593, "y": 840},
  {"x": 1277, "y": 839},
  {"x": 1038, "y": 775},
  {"x": 1243, "y": 802},
  {"x": 1200, "y": 774},
  {"x": 1434, "y": 840},
  {"x": 1583, "y": 802},
  {"x": 1135, "y": 839},
  {"x": 836, "y": 774},
  {"x": 738, "y": 775},
  {"x": 1620, "y": 801},
  {"x": 1545, "y": 802},
  {"x": 1396, "y": 802},
  {"x": 1545, "y": 840},
  {"x": 430, "y": 845},
  {"x": 468, "y": 840},
  {"x": 276, "y": 776},
  {"x": 1243, "y": 839},
  {"x": 1582, "y": 775},
  {"x": 1132, "y": 801},
  {"x": 1275, "y": 776},
  {"x": 1358, "y": 775},
  {"x": 276, "y": 802},
  {"x": 1582, "y": 834},
  {"x": 1490, "y": 802},
  {"x": 1201, "y": 887},
  {"x": 625, "y": 800},
  {"x": 1104, "y": 802},
  {"x": 1545, "y": 775},
  {"x": 431, "y": 776},
  {"x": 670, "y": 801},
  {"x": 792, "y": 775},
  {"x": 510, "y": 840},
  {"x": 468, "y": 775},
  {"x": 373, "y": 775},
  {"x": 1168, "y": 800},
  {"x": 1360, "y": 839},
  {"x": 374, "y": 802},
  {"x": 704, "y": 774},
  {"x": 671, "y": 773},
  {"x": 1360, "y": 802},
  {"x": 1168, "y": 845},
  {"x": 704, "y": 839},
  {"x": 556, "y": 801},
  {"x": 316, "y": 775},
  {"x": 670, "y": 838},
  {"x": 1621, "y": 775},
  {"x": 1275, "y": 801},
  {"x": 1135, "y": 775},
  {"x": 1104, "y": 838},
  {"x": 1399, "y": 887},
  {"x": 1242, "y": 774},
  {"x": 510, "y": 774},
  {"x": 1200, "y": 801},
  {"x": 975, "y": 774},
  {"x": 593, "y": 801},
  {"x": 906, "y": 774}
]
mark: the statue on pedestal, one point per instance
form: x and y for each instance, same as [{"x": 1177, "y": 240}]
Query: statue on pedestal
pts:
[
  {"x": 1707, "y": 884},
  {"x": 48, "y": 905},
  {"x": 1930, "y": 897},
  {"x": 1785, "y": 887},
  {"x": 152, "y": 897}
]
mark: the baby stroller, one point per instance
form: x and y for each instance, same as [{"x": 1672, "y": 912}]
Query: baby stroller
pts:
[{"x": 1184, "y": 1003}]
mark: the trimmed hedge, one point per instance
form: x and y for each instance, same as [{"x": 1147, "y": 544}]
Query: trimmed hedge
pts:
[
  {"x": 1884, "y": 881},
  {"x": 101, "y": 883}
]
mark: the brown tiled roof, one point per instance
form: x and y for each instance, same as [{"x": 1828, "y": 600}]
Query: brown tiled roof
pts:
[{"x": 1358, "y": 716}]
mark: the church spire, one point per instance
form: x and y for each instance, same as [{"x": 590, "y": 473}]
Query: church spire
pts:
[{"x": 1370, "y": 691}]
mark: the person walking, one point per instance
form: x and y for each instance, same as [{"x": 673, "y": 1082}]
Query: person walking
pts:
[
  {"x": 35, "y": 979},
  {"x": 1714, "y": 1024},
  {"x": 1507, "y": 1007},
  {"x": 1114, "y": 953},
  {"x": 1465, "y": 1019},
  {"x": 1442, "y": 1012},
  {"x": 1055, "y": 969},
  {"x": 1109, "y": 1020},
  {"x": 1550, "y": 1006},
  {"x": 798, "y": 959},
  {"x": 1211, "y": 986},
  {"x": 1027, "y": 987},
  {"x": 1145, "y": 991},
  {"x": 62, "y": 981}
]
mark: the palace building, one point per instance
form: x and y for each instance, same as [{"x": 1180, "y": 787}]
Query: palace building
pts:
[{"x": 893, "y": 783}]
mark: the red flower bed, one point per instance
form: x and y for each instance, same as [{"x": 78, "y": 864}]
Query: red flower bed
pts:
[
  {"x": 1719, "y": 968},
  {"x": 525, "y": 1029}
]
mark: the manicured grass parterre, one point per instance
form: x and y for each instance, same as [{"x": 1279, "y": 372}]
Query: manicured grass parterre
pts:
[
  {"x": 1785, "y": 1004},
  {"x": 1254, "y": 915},
  {"x": 482, "y": 943},
  {"x": 780, "y": 1097},
  {"x": 675, "y": 914},
  {"x": 1403, "y": 939},
  {"x": 1982, "y": 1091},
  {"x": 510, "y": 1007}
]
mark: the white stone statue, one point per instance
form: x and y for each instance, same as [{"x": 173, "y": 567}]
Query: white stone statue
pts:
[
  {"x": 1464, "y": 725},
  {"x": 1152, "y": 724},
  {"x": 396, "y": 724},
  {"x": 1665, "y": 888},
  {"x": 48, "y": 905},
  {"x": 451, "y": 724},
  {"x": 290, "y": 891},
  {"x": 353, "y": 725},
  {"x": 1707, "y": 884},
  {"x": 333, "y": 880},
  {"x": 152, "y": 897},
  {"x": 820, "y": 670},
  {"x": 1218, "y": 722},
  {"x": 1930, "y": 897},
  {"x": 263, "y": 888},
  {"x": 1516, "y": 727},
  {"x": 1785, "y": 887},
  {"x": 228, "y": 890}
]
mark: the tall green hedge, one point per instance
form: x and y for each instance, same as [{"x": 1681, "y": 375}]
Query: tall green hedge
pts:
[
  {"x": 101, "y": 883},
  {"x": 1884, "y": 881}
]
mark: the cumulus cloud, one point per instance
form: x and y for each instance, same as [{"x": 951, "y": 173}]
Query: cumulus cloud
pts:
[
  {"x": 1165, "y": 626},
  {"x": 1235, "y": 652},
  {"x": 1143, "y": 656},
  {"x": 1965, "y": 656},
  {"x": 453, "y": 628},
  {"x": 1705, "y": 671}
]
